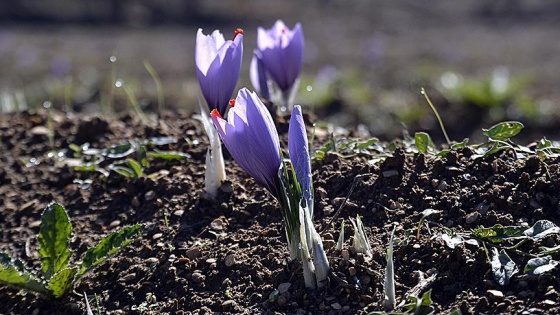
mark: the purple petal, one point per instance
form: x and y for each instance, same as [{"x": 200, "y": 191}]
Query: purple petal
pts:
[
  {"x": 218, "y": 65},
  {"x": 258, "y": 76},
  {"x": 251, "y": 138},
  {"x": 282, "y": 52},
  {"x": 299, "y": 152}
]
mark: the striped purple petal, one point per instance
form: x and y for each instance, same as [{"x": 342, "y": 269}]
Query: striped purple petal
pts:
[
  {"x": 251, "y": 138},
  {"x": 218, "y": 65},
  {"x": 282, "y": 52},
  {"x": 299, "y": 152}
]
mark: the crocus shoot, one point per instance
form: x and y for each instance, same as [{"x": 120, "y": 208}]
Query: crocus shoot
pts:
[
  {"x": 281, "y": 52},
  {"x": 218, "y": 65},
  {"x": 251, "y": 137}
]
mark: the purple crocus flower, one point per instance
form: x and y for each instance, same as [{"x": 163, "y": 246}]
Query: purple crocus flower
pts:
[
  {"x": 282, "y": 53},
  {"x": 299, "y": 154},
  {"x": 218, "y": 65},
  {"x": 250, "y": 136}
]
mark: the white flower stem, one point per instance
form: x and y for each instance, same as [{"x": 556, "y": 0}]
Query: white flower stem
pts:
[{"x": 215, "y": 170}]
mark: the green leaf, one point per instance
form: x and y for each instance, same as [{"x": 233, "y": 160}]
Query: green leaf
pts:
[
  {"x": 54, "y": 234},
  {"x": 136, "y": 167},
  {"x": 62, "y": 281},
  {"x": 120, "y": 151},
  {"x": 541, "y": 229},
  {"x": 416, "y": 305},
  {"x": 503, "y": 130},
  {"x": 539, "y": 265},
  {"x": 549, "y": 250},
  {"x": 162, "y": 140},
  {"x": 499, "y": 233},
  {"x": 14, "y": 273},
  {"x": 424, "y": 142},
  {"x": 168, "y": 155},
  {"x": 462, "y": 144},
  {"x": 363, "y": 145},
  {"x": 109, "y": 245},
  {"x": 123, "y": 170},
  {"x": 503, "y": 267}
]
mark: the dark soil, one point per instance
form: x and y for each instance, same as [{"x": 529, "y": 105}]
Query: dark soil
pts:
[{"x": 198, "y": 256}]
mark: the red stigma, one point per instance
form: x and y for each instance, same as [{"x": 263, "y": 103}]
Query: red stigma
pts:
[
  {"x": 232, "y": 102},
  {"x": 237, "y": 32},
  {"x": 215, "y": 112},
  {"x": 283, "y": 30}
]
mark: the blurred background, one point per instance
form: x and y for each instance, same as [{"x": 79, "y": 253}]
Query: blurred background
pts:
[{"x": 365, "y": 60}]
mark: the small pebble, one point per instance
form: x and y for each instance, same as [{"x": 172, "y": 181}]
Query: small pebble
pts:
[
  {"x": 152, "y": 260},
  {"x": 193, "y": 253},
  {"x": 157, "y": 235},
  {"x": 217, "y": 224},
  {"x": 345, "y": 254},
  {"x": 115, "y": 223},
  {"x": 178, "y": 213},
  {"x": 197, "y": 277},
  {"x": 284, "y": 287},
  {"x": 229, "y": 304},
  {"x": 135, "y": 202},
  {"x": 471, "y": 217},
  {"x": 229, "y": 260},
  {"x": 210, "y": 260},
  {"x": 495, "y": 294},
  {"x": 336, "y": 306},
  {"x": 352, "y": 271},
  {"x": 227, "y": 188},
  {"x": 150, "y": 195},
  {"x": 282, "y": 300}
]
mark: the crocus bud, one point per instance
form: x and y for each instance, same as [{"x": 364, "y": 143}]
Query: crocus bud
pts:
[
  {"x": 282, "y": 53},
  {"x": 299, "y": 154},
  {"x": 218, "y": 65},
  {"x": 251, "y": 138}
]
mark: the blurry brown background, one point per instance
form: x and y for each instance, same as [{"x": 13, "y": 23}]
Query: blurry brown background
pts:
[{"x": 365, "y": 60}]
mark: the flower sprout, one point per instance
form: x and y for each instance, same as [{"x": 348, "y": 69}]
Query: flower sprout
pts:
[
  {"x": 251, "y": 137},
  {"x": 282, "y": 53},
  {"x": 218, "y": 65},
  {"x": 299, "y": 155}
]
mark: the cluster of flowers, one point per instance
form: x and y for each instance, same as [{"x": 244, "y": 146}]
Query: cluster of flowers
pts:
[{"x": 250, "y": 135}]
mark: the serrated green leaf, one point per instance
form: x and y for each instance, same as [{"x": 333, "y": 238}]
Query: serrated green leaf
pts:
[
  {"x": 539, "y": 265},
  {"x": 14, "y": 273},
  {"x": 499, "y": 233},
  {"x": 109, "y": 245},
  {"x": 503, "y": 268},
  {"x": 62, "y": 281},
  {"x": 168, "y": 155},
  {"x": 136, "y": 167},
  {"x": 503, "y": 130},
  {"x": 541, "y": 229},
  {"x": 54, "y": 234},
  {"x": 424, "y": 142}
]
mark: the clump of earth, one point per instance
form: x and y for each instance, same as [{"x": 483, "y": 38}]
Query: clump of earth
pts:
[{"x": 198, "y": 255}]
